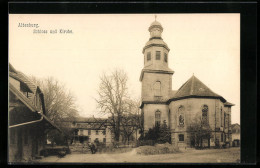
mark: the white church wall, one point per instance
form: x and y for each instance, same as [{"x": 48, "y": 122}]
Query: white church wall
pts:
[
  {"x": 148, "y": 82},
  {"x": 149, "y": 114},
  {"x": 192, "y": 109}
]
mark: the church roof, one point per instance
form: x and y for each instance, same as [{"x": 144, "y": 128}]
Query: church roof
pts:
[
  {"x": 155, "y": 24},
  {"x": 195, "y": 88},
  {"x": 228, "y": 104},
  {"x": 157, "y": 67},
  {"x": 156, "y": 42}
]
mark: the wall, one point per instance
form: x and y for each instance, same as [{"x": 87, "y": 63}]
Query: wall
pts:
[
  {"x": 100, "y": 135},
  {"x": 192, "y": 110},
  {"x": 33, "y": 134},
  {"x": 148, "y": 82},
  {"x": 153, "y": 60},
  {"x": 149, "y": 114}
]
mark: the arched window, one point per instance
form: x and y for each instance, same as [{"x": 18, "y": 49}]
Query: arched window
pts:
[
  {"x": 157, "y": 88},
  {"x": 157, "y": 117},
  {"x": 205, "y": 110},
  {"x": 181, "y": 116},
  {"x": 181, "y": 120},
  {"x": 221, "y": 118}
]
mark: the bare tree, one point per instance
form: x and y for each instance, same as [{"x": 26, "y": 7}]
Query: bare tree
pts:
[
  {"x": 199, "y": 131},
  {"x": 59, "y": 102},
  {"x": 113, "y": 97},
  {"x": 131, "y": 120}
]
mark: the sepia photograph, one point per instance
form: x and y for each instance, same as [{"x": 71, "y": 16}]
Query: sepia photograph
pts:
[{"x": 124, "y": 88}]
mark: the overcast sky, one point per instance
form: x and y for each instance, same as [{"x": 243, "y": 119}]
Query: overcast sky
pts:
[{"x": 207, "y": 45}]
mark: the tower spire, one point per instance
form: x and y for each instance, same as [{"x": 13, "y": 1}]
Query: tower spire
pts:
[{"x": 155, "y": 16}]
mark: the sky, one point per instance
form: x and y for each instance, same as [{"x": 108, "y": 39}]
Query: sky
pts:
[{"x": 207, "y": 45}]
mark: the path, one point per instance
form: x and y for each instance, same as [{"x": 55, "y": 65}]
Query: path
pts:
[{"x": 190, "y": 156}]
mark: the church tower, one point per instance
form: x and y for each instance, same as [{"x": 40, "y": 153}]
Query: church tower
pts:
[{"x": 156, "y": 78}]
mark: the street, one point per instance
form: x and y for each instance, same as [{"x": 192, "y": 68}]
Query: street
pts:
[{"x": 229, "y": 155}]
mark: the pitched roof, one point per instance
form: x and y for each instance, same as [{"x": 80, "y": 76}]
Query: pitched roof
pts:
[
  {"x": 228, "y": 104},
  {"x": 194, "y": 87},
  {"x": 85, "y": 119},
  {"x": 234, "y": 125},
  {"x": 23, "y": 98},
  {"x": 24, "y": 80},
  {"x": 157, "y": 67}
]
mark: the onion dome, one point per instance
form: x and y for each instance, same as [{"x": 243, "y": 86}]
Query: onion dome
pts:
[{"x": 155, "y": 24}]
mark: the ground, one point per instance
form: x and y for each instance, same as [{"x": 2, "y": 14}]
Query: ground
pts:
[{"x": 229, "y": 155}]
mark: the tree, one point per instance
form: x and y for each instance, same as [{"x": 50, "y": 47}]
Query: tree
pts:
[
  {"x": 158, "y": 134},
  {"x": 130, "y": 121},
  {"x": 199, "y": 130},
  {"x": 113, "y": 97},
  {"x": 164, "y": 134},
  {"x": 59, "y": 103}
]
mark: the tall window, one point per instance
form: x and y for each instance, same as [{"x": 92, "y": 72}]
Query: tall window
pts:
[
  {"x": 221, "y": 118},
  {"x": 181, "y": 137},
  {"x": 157, "y": 88},
  {"x": 224, "y": 119},
  {"x": 148, "y": 56},
  {"x": 181, "y": 120},
  {"x": 89, "y": 132},
  {"x": 96, "y": 132},
  {"x": 181, "y": 117},
  {"x": 205, "y": 110},
  {"x": 104, "y": 140},
  {"x": 158, "y": 55},
  {"x": 104, "y": 132},
  {"x": 165, "y": 57},
  {"x": 157, "y": 117}
]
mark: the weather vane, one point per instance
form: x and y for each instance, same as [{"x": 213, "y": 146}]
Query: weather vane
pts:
[{"x": 155, "y": 16}]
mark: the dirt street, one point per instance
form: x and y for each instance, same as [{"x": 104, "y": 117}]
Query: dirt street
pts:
[{"x": 186, "y": 156}]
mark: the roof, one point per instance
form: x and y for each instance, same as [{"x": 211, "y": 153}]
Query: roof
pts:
[
  {"x": 156, "y": 42},
  {"x": 155, "y": 69},
  {"x": 85, "y": 119},
  {"x": 228, "y": 104},
  {"x": 233, "y": 125},
  {"x": 155, "y": 24},
  {"x": 12, "y": 69},
  {"x": 172, "y": 93},
  {"x": 22, "y": 97},
  {"x": 91, "y": 126},
  {"x": 32, "y": 88},
  {"x": 195, "y": 88},
  {"x": 51, "y": 122},
  {"x": 28, "y": 101}
]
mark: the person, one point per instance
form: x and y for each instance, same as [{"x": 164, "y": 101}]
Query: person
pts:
[
  {"x": 94, "y": 148},
  {"x": 90, "y": 147}
]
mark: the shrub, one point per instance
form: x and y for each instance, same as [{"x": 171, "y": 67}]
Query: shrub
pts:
[
  {"x": 157, "y": 149},
  {"x": 157, "y": 134}
]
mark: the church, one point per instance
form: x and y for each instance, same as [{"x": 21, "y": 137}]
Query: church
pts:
[{"x": 192, "y": 102}]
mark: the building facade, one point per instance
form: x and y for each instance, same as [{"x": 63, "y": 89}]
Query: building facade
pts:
[
  {"x": 28, "y": 125},
  {"x": 192, "y": 102},
  {"x": 90, "y": 130}
]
